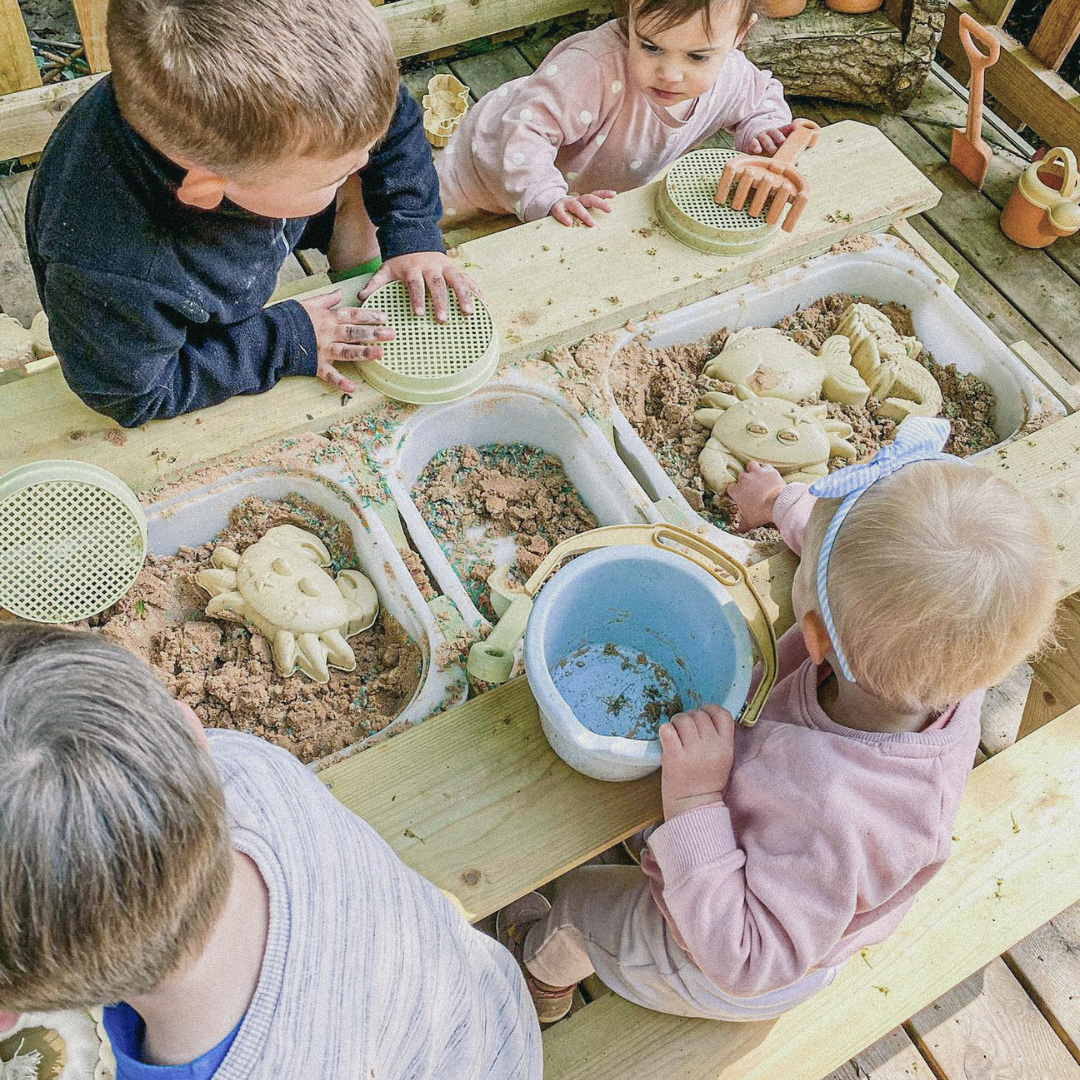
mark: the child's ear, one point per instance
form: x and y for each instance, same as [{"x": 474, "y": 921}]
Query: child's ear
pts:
[
  {"x": 8, "y": 1020},
  {"x": 818, "y": 642},
  {"x": 750, "y": 24},
  {"x": 201, "y": 188}
]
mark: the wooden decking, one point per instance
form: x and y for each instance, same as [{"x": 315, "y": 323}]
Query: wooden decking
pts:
[{"x": 1019, "y": 1017}]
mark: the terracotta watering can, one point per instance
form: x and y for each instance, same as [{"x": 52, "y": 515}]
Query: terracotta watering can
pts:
[{"x": 1046, "y": 201}]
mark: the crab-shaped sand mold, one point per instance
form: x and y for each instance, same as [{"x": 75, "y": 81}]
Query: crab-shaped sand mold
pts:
[
  {"x": 797, "y": 440},
  {"x": 278, "y": 586},
  {"x": 444, "y": 105},
  {"x": 765, "y": 362},
  {"x": 887, "y": 362}
]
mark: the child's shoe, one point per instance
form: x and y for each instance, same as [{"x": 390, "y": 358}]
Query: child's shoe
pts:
[{"x": 512, "y": 926}]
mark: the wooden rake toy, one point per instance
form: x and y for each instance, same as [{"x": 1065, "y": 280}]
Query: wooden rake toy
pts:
[{"x": 774, "y": 179}]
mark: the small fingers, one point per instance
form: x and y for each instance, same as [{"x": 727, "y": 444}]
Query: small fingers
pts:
[
  {"x": 381, "y": 277},
  {"x": 559, "y": 213},
  {"x": 414, "y": 283},
  {"x": 720, "y": 719},
  {"x": 597, "y": 202},
  {"x": 463, "y": 287},
  {"x": 580, "y": 212},
  {"x": 436, "y": 285},
  {"x": 339, "y": 353},
  {"x": 332, "y": 377},
  {"x": 361, "y": 316},
  {"x": 349, "y": 332}
]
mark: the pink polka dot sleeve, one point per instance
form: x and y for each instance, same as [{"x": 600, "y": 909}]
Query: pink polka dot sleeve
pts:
[{"x": 562, "y": 102}]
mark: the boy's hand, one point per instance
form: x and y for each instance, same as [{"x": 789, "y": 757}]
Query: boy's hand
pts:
[
  {"x": 698, "y": 749},
  {"x": 432, "y": 271},
  {"x": 767, "y": 142},
  {"x": 341, "y": 333},
  {"x": 567, "y": 208},
  {"x": 754, "y": 493}
]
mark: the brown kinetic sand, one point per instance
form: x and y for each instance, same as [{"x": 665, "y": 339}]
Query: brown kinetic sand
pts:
[
  {"x": 503, "y": 490},
  {"x": 227, "y": 674},
  {"x": 659, "y": 389}
]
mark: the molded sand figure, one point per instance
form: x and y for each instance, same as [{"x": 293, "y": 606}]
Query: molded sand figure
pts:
[
  {"x": 887, "y": 361},
  {"x": 767, "y": 363},
  {"x": 279, "y": 587},
  {"x": 797, "y": 440},
  {"x": 16, "y": 344},
  {"x": 444, "y": 105}
]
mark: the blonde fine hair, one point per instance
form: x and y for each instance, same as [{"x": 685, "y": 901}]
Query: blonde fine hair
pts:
[
  {"x": 115, "y": 856},
  {"x": 942, "y": 579},
  {"x": 237, "y": 86}
]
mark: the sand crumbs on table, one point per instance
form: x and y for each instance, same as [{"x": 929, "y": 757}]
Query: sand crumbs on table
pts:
[
  {"x": 470, "y": 497},
  {"x": 227, "y": 674}
]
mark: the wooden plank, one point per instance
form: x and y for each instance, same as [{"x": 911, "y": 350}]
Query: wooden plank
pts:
[
  {"x": 997, "y": 887},
  {"x": 905, "y": 231},
  {"x": 997, "y": 11},
  {"x": 1020, "y": 82},
  {"x": 1007, "y": 321},
  {"x": 988, "y": 1026},
  {"x": 1056, "y": 33},
  {"x": 1044, "y": 464},
  {"x": 91, "y": 15},
  {"x": 477, "y": 801},
  {"x": 18, "y": 69},
  {"x": 420, "y": 26},
  {"x": 969, "y": 221},
  {"x": 891, "y": 1058},
  {"x": 18, "y": 293},
  {"x": 1047, "y": 963},
  {"x": 852, "y": 166},
  {"x": 1002, "y": 710},
  {"x": 28, "y": 118},
  {"x": 486, "y": 71},
  {"x": 1056, "y": 685}
]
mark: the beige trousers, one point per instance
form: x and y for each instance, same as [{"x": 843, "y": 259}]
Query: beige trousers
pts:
[{"x": 604, "y": 919}]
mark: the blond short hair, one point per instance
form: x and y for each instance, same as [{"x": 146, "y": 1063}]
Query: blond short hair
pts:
[
  {"x": 942, "y": 579},
  {"x": 115, "y": 856},
  {"x": 660, "y": 15},
  {"x": 237, "y": 85}
]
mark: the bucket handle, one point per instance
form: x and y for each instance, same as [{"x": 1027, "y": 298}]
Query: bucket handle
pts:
[
  {"x": 492, "y": 660},
  {"x": 1065, "y": 159}
]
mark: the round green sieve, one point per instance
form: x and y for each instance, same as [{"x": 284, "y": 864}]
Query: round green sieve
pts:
[
  {"x": 72, "y": 540},
  {"x": 429, "y": 362},
  {"x": 686, "y": 205}
]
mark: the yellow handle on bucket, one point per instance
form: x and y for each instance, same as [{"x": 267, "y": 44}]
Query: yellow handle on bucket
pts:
[{"x": 491, "y": 661}]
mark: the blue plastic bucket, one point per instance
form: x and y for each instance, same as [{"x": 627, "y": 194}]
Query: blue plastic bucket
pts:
[{"x": 618, "y": 641}]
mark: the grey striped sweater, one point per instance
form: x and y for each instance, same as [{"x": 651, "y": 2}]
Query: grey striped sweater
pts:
[{"x": 369, "y": 970}]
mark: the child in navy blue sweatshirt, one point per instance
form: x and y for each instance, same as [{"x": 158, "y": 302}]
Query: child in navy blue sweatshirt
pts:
[{"x": 227, "y": 135}]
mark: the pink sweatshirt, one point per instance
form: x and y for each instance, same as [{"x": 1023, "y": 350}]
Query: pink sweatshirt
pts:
[
  {"x": 579, "y": 122},
  {"x": 824, "y": 835}
]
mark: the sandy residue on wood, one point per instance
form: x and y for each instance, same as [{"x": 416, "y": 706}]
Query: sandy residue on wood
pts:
[
  {"x": 227, "y": 674},
  {"x": 658, "y": 390},
  {"x": 472, "y": 496}
]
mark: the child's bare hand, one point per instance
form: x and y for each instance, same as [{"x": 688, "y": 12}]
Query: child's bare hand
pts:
[
  {"x": 567, "y": 208},
  {"x": 430, "y": 271},
  {"x": 344, "y": 335},
  {"x": 767, "y": 142},
  {"x": 698, "y": 749},
  {"x": 754, "y": 493}
]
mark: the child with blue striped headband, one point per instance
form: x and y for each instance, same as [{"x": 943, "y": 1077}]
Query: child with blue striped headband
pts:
[{"x": 789, "y": 846}]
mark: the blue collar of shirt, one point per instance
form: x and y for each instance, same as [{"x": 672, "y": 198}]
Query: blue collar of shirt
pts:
[{"x": 126, "y": 1029}]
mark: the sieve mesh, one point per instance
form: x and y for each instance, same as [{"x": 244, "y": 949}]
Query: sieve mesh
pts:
[
  {"x": 424, "y": 349},
  {"x": 68, "y": 550},
  {"x": 691, "y": 186}
]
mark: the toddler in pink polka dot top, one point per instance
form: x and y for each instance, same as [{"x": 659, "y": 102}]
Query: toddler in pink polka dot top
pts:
[{"x": 608, "y": 109}]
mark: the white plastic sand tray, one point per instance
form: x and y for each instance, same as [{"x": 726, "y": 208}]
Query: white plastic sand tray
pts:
[
  {"x": 430, "y": 362},
  {"x": 72, "y": 541}
]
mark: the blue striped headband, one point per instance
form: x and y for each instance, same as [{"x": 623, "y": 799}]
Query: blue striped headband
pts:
[{"x": 918, "y": 438}]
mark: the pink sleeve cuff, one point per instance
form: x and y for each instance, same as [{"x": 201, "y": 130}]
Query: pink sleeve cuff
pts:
[
  {"x": 791, "y": 512},
  {"x": 536, "y": 205},
  {"x": 688, "y": 841}
]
